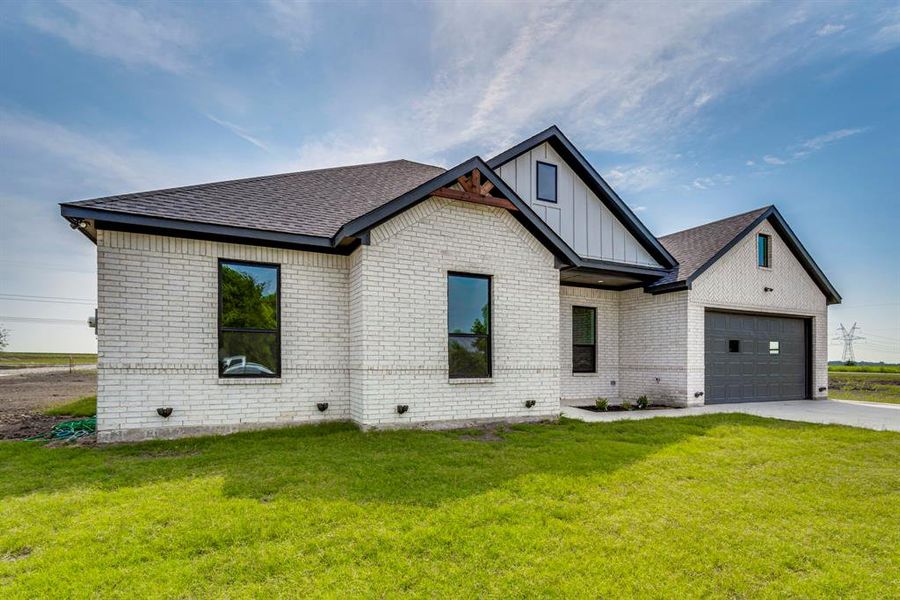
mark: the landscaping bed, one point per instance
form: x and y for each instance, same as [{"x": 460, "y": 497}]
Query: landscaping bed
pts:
[{"x": 620, "y": 408}]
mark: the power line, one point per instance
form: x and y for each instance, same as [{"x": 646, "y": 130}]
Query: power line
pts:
[
  {"x": 848, "y": 337},
  {"x": 43, "y": 320},
  {"x": 51, "y": 299}
]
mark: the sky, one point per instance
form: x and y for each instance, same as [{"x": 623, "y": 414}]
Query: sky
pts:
[{"x": 692, "y": 111}]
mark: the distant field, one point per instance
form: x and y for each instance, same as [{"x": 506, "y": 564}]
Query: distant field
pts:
[
  {"x": 865, "y": 368},
  {"x": 866, "y": 386},
  {"x": 21, "y": 360}
]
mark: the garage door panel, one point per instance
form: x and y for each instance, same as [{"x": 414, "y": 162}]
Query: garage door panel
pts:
[{"x": 753, "y": 357}]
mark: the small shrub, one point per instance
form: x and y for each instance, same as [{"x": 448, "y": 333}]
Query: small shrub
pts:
[
  {"x": 602, "y": 403},
  {"x": 626, "y": 405},
  {"x": 642, "y": 402}
]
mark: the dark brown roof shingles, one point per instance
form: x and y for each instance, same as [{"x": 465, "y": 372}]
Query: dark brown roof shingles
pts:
[
  {"x": 315, "y": 203},
  {"x": 694, "y": 247}
]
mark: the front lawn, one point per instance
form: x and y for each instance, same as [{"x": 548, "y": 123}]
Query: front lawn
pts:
[{"x": 720, "y": 505}]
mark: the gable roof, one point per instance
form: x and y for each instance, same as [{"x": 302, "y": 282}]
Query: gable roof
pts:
[
  {"x": 698, "y": 248},
  {"x": 595, "y": 182},
  {"x": 307, "y": 203}
]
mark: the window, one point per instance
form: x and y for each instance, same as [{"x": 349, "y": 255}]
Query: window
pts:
[
  {"x": 546, "y": 182},
  {"x": 249, "y": 319},
  {"x": 763, "y": 251},
  {"x": 734, "y": 345},
  {"x": 469, "y": 325},
  {"x": 774, "y": 348},
  {"x": 584, "y": 339}
]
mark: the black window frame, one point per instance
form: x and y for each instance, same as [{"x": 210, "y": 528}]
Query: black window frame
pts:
[
  {"x": 593, "y": 310},
  {"x": 768, "y": 252},
  {"x": 490, "y": 327},
  {"x": 276, "y": 331},
  {"x": 537, "y": 181},
  {"x": 734, "y": 346}
]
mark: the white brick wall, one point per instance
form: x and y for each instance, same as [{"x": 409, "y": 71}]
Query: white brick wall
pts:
[
  {"x": 653, "y": 346},
  {"x": 584, "y": 388},
  {"x": 158, "y": 339},
  {"x": 735, "y": 282},
  {"x": 399, "y": 317}
]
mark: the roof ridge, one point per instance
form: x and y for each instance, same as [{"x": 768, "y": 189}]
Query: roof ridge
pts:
[
  {"x": 759, "y": 210},
  {"x": 228, "y": 182}
]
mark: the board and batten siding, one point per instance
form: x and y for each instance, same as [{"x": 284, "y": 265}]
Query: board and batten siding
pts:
[{"x": 579, "y": 217}]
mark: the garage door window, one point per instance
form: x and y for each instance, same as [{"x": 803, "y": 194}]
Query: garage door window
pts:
[
  {"x": 734, "y": 345},
  {"x": 774, "y": 348}
]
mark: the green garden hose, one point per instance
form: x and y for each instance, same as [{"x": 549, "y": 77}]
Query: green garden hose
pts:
[{"x": 69, "y": 430}]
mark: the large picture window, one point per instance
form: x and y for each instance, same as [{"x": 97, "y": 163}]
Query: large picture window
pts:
[
  {"x": 469, "y": 325},
  {"x": 249, "y": 319},
  {"x": 584, "y": 339}
]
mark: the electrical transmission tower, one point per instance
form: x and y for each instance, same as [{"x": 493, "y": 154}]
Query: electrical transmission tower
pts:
[{"x": 848, "y": 336}]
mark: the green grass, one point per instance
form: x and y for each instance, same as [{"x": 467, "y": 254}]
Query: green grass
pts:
[
  {"x": 865, "y": 368},
  {"x": 715, "y": 506},
  {"x": 84, "y": 407},
  {"x": 19, "y": 360},
  {"x": 865, "y": 386}
]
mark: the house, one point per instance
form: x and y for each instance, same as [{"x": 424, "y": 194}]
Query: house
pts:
[{"x": 401, "y": 294}]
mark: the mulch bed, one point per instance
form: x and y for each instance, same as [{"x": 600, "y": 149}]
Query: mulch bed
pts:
[{"x": 619, "y": 408}]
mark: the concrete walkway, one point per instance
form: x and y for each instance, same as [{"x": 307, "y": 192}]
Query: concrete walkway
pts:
[{"x": 868, "y": 415}]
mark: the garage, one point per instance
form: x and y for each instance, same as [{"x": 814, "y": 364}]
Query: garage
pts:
[{"x": 756, "y": 357}]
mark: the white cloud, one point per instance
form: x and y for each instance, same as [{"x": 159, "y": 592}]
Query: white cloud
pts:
[
  {"x": 750, "y": 163},
  {"x": 638, "y": 209},
  {"x": 702, "y": 99},
  {"x": 705, "y": 183},
  {"x": 133, "y": 35},
  {"x": 830, "y": 29},
  {"x": 635, "y": 178},
  {"x": 291, "y": 20},
  {"x": 335, "y": 151},
  {"x": 239, "y": 131},
  {"x": 820, "y": 141},
  {"x": 773, "y": 160}
]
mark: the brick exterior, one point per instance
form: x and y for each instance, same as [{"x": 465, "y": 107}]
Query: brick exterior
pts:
[
  {"x": 158, "y": 339},
  {"x": 735, "y": 282},
  {"x": 368, "y": 331},
  {"x": 584, "y": 388},
  {"x": 399, "y": 318}
]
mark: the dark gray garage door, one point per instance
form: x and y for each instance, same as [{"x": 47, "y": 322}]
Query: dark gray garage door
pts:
[{"x": 752, "y": 358}]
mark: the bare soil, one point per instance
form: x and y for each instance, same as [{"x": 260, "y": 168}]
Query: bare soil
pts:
[{"x": 23, "y": 397}]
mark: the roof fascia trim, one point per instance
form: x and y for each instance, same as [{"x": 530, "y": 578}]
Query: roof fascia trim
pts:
[
  {"x": 793, "y": 243},
  {"x": 603, "y": 189},
  {"x": 252, "y": 236}
]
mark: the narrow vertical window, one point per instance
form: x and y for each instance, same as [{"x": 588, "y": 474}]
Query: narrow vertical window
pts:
[
  {"x": 546, "y": 182},
  {"x": 763, "y": 251},
  {"x": 249, "y": 319},
  {"x": 584, "y": 339},
  {"x": 469, "y": 325}
]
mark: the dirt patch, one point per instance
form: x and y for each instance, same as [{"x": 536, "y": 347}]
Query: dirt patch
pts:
[
  {"x": 24, "y": 396},
  {"x": 19, "y": 554}
]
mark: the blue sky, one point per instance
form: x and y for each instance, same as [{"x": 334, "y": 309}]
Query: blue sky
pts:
[{"x": 691, "y": 111}]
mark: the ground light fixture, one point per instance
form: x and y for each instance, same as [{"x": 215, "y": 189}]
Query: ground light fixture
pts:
[
  {"x": 697, "y": 394},
  {"x": 822, "y": 388}
]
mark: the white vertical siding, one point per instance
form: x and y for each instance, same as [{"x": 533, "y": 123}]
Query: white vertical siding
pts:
[{"x": 578, "y": 215}]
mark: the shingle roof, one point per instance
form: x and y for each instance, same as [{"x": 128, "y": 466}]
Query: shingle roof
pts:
[
  {"x": 695, "y": 247},
  {"x": 315, "y": 203}
]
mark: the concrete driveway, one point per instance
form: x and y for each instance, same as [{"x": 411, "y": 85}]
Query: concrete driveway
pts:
[{"x": 868, "y": 415}]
